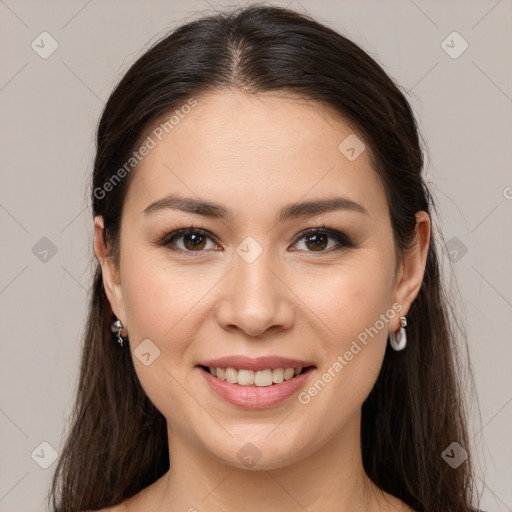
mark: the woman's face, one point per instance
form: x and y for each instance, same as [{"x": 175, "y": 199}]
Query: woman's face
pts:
[{"x": 255, "y": 278}]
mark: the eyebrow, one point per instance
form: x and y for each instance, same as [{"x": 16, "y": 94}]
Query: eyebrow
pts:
[{"x": 289, "y": 211}]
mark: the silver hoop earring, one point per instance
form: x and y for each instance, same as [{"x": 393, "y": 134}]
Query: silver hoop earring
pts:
[
  {"x": 398, "y": 340},
  {"x": 119, "y": 332}
]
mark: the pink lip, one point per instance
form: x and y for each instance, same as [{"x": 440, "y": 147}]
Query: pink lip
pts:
[
  {"x": 254, "y": 397},
  {"x": 259, "y": 363}
]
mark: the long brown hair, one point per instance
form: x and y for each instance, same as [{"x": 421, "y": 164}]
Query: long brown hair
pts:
[{"x": 415, "y": 410}]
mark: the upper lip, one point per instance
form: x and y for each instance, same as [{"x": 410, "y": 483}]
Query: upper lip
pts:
[{"x": 258, "y": 363}]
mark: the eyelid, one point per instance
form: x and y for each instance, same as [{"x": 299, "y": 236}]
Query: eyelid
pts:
[
  {"x": 165, "y": 239},
  {"x": 341, "y": 238}
]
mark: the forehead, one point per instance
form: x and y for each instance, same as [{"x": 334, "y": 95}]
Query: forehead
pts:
[{"x": 249, "y": 150}]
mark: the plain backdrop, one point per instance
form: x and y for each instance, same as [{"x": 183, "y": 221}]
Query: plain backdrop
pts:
[{"x": 50, "y": 104}]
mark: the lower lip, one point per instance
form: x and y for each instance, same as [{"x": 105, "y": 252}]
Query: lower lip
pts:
[{"x": 255, "y": 397}]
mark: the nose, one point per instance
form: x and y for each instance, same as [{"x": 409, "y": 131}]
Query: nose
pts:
[{"x": 255, "y": 298}]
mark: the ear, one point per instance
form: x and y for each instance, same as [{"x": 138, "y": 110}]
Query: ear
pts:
[
  {"x": 412, "y": 268},
  {"x": 109, "y": 270}
]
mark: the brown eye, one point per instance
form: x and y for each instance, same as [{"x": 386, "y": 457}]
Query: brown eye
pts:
[
  {"x": 317, "y": 240},
  {"x": 193, "y": 240}
]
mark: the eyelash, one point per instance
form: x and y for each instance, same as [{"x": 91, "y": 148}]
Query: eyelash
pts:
[{"x": 341, "y": 238}]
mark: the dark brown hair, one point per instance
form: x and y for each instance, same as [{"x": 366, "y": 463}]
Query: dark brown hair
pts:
[{"x": 415, "y": 410}]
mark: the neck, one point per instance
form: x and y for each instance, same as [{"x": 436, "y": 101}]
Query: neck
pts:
[{"x": 330, "y": 477}]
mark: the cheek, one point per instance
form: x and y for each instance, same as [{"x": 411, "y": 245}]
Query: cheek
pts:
[
  {"x": 163, "y": 304},
  {"x": 166, "y": 301},
  {"x": 158, "y": 299},
  {"x": 351, "y": 298},
  {"x": 355, "y": 306}
]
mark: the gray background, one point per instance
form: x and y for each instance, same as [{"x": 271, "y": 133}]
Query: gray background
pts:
[{"x": 50, "y": 108}]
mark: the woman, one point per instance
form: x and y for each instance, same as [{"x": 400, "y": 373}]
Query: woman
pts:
[{"x": 267, "y": 327}]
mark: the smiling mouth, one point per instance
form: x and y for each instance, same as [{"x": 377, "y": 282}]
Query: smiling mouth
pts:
[{"x": 259, "y": 378}]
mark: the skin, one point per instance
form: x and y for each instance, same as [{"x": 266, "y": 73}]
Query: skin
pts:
[{"x": 293, "y": 301}]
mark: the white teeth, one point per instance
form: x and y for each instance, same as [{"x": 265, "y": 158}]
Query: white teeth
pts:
[
  {"x": 263, "y": 378},
  {"x": 288, "y": 373},
  {"x": 277, "y": 376},
  {"x": 231, "y": 375},
  {"x": 260, "y": 378},
  {"x": 245, "y": 377}
]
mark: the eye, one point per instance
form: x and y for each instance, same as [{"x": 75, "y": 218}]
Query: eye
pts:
[
  {"x": 193, "y": 240},
  {"x": 317, "y": 240},
  {"x": 196, "y": 240}
]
